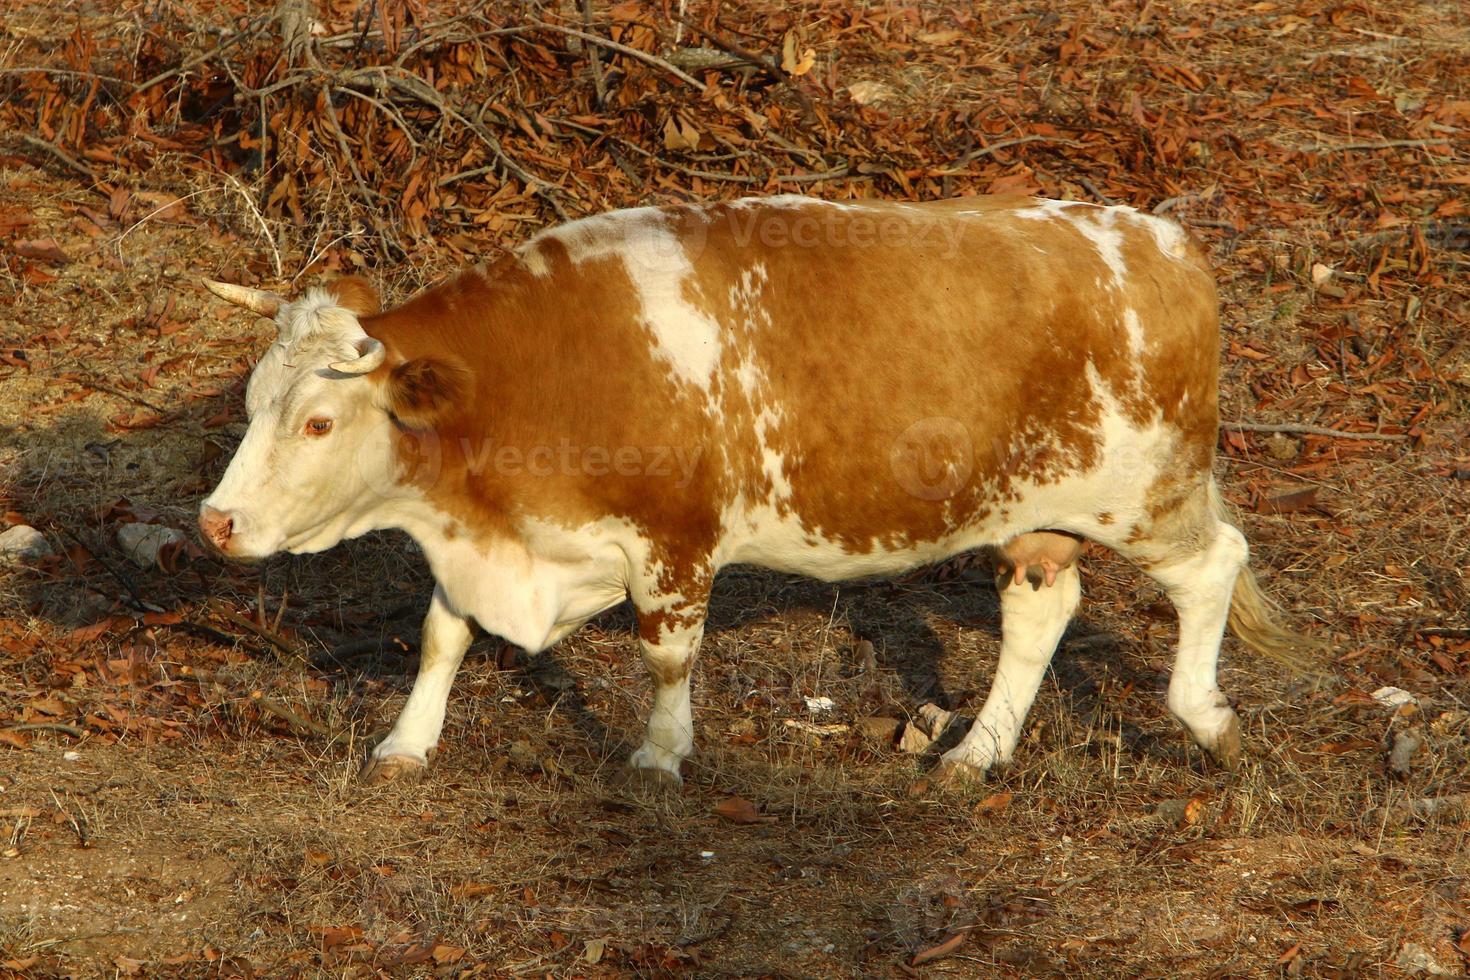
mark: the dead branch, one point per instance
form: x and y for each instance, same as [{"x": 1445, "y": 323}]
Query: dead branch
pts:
[
  {"x": 1312, "y": 430},
  {"x": 642, "y": 56},
  {"x": 771, "y": 67},
  {"x": 250, "y": 31},
  {"x": 288, "y": 716},
  {"x": 407, "y": 83},
  {"x": 60, "y": 154},
  {"x": 258, "y": 698},
  {"x": 986, "y": 151},
  {"x": 1379, "y": 145},
  {"x": 268, "y": 635},
  {"x": 48, "y": 726},
  {"x": 598, "y": 82}
]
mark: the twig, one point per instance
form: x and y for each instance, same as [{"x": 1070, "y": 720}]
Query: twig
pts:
[
  {"x": 224, "y": 45},
  {"x": 119, "y": 393},
  {"x": 1092, "y": 189},
  {"x": 1381, "y": 145},
  {"x": 1313, "y": 430},
  {"x": 642, "y": 56},
  {"x": 66, "y": 72},
  {"x": 48, "y": 726},
  {"x": 60, "y": 154},
  {"x": 347, "y": 154},
  {"x": 416, "y": 88},
  {"x": 772, "y": 67},
  {"x": 288, "y": 716},
  {"x": 257, "y": 698},
  {"x": 840, "y": 173},
  {"x": 1170, "y": 203},
  {"x": 270, "y": 636},
  {"x": 598, "y": 83},
  {"x": 386, "y": 110},
  {"x": 259, "y": 218},
  {"x": 122, "y": 579},
  {"x": 985, "y": 151},
  {"x": 117, "y": 242}
]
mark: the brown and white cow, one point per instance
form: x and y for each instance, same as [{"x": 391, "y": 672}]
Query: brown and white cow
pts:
[{"x": 636, "y": 400}]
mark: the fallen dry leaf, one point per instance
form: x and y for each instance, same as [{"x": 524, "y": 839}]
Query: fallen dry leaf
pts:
[
  {"x": 994, "y": 803},
  {"x": 44, "y": 249},
  {"x": 940, "y": 950},
  {"x": 737, "y": 809},
  {"x": 1289, "y": 503}
]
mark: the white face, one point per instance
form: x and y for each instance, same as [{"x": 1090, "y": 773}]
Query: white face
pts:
[{"x": 317, "y": 460}]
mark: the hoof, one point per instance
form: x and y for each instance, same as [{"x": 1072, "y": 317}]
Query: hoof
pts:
[
  {"x": 1227, "y": 751},
  {"x": 649, "y": 782},
  {"x": 951, "y": 774},
  {"x": 392, "y": 769}
]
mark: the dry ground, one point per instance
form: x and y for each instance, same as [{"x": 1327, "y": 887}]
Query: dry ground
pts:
[{"x": 176, "y": 787}]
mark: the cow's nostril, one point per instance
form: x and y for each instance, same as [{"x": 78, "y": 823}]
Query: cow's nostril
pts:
[{"x": 216, "y": 526}]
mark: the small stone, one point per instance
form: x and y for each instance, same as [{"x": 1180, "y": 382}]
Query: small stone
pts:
[
  {"x": 1282, "y": 446},
  {"x": 1406, "y": 744},
  {"x": 927, "y": 727},
  {"x": 883, "y": 731},
  {"x": 819, "y": 705},
  {"x": 143, "y": 542},
  {"x": 914, "y": 740},
  {"x": 1415, "y": 960},
  {"x": 935, "y": 719},
  {"x": 22, "y": 542},
  {"x": 869, "y": 93},
  {"x": 1393, "y": 697}
]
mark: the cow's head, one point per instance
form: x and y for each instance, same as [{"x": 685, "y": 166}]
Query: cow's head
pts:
[{"x": 321, "y": 457}]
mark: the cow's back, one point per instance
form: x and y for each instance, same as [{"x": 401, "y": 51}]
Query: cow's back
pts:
[{"x": 893, "y": 381}]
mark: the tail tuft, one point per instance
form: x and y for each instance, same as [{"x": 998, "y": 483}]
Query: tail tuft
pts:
[{"x": 1254, "y": 618}]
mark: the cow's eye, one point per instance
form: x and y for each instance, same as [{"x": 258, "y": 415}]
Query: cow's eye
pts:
[{"x": 318, "y": 427}]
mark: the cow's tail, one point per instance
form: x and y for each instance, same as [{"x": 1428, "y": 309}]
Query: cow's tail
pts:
[{"x": 1256, "y": 619}]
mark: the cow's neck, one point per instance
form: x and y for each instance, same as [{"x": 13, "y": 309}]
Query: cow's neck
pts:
[{"x": 529, "y": 585}]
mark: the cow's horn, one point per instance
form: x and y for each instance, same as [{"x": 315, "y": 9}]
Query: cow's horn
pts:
[
  {"x": 370, "y": 353},
  {"x": 256, "y": 300}
]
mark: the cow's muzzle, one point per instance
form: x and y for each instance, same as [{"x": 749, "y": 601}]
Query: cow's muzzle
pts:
[{"x": 216, "y": 527}]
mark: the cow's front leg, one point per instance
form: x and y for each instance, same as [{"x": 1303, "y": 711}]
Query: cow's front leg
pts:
[
  {"x": 670, "y": 642},
  {"x": 405, "y": 752}
]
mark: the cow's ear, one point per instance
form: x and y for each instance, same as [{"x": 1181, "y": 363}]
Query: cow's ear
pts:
[
  {"x": 356, "y": 294},
  {"x": 422, "y": 393}
]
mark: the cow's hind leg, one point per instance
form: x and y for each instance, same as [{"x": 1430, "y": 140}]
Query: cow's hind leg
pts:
[
  {"x": 1032, "y": 620},
  {"x": 405, "y": 752},
  {"x": 1200, "y": 584},
  {"x": 670, "y": 642}
]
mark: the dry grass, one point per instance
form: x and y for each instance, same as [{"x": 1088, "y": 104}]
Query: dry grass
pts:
[{"x": 218, "y": 832}]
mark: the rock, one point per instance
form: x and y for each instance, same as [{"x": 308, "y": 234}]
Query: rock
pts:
[
  {"x": 822, "y": 731},
  {"x": 914, "y": 740},
  {"x": 926, "y": 728},
  {"x": 1415, "y": 960},
  {"x": 1393, "y": 697},
  {"x": 882, "y": 731},
  {"x": 1282, "y": 446},
  {"x": 143, "y": 542},
  {"x": 1406, "y": 745},
  {"x": 23, "y": 542},
  {"x": 869, "y": 93}
]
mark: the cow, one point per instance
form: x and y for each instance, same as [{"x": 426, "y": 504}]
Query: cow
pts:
[{"x": 631, "y": 401}]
